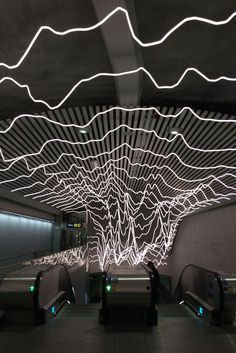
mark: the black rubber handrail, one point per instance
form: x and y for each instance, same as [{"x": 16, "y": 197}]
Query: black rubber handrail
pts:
[{"x": 211, "y": 272}]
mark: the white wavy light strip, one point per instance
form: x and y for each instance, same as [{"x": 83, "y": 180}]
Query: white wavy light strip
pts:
[
  {"x": 16, "y": 159},
  {"x": 102, "y": 175},
  {"x": 69, "y": 257},
  {"x": 114, "y": 109},
  {"x": 120, "y": 74},
  {"x": 108, "y": 163},
  {"x": 138, "y": 217},
  {"x": 115, "y": 252},
  {"x": 83, "y": 186},
  {"x": 106, "y": 18},
  {"x": 63, "y": 181},
  {"x": 68, "y": 188},
  {"x": 178, "y": 196},
  {"x": 137, "y": 129},
  {"x": 90, "y": 194}
]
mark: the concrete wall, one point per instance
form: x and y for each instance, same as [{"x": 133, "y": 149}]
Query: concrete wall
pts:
[{"x": 206, "y": 239}]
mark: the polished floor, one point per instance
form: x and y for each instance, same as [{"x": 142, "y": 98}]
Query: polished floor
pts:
[{"x": 76, "y": 329}]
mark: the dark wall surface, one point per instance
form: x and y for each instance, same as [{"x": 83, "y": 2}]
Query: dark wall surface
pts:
[{"x": 206, "y": 239}]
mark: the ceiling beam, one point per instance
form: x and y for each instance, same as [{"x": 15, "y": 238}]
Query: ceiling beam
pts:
[{"x": 122, "y": 50}]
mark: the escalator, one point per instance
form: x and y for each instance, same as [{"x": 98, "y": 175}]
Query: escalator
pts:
[
  {"x": 210, "y": 294},
  {"x": 34, "y": 293}
]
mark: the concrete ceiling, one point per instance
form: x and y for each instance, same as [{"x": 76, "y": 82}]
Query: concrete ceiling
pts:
[{"x": 56, "y": 63}]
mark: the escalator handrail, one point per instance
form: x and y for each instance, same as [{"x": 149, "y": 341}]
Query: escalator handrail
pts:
[{"x": 214, "y": 273}]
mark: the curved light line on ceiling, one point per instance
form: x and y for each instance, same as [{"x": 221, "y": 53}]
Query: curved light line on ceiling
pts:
[
  {"x": 15, "y": 160},
  {"x": 106, "y": 18},
  {"x": 110, "y": 110},
  {"x": 78, "y": 143},
  {"x": 120, "y": 74}
]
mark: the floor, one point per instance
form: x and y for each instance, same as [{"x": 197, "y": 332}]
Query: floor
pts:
[{"x": 76, "y": 329}]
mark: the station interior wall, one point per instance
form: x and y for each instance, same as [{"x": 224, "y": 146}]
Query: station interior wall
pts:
[
  {"x": 23, "y": 235},
  {"x": 206, "y": 239}
]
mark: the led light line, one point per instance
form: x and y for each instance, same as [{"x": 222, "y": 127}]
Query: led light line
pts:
[
  {"x": 119, "y": 74},
  {"x": 14, "y": 160},
  {"x": 57, "y": 194},
  {"x": 178, "y": 197},
  {"x": 158, "y": 112},
  {"x": 112, "y": 163},
  {"x": 112, "y": 173},
  {"x": 106, "y": 18},
  {"x": 136, "y": 129}
]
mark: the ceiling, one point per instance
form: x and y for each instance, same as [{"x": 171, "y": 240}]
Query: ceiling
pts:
[{"x": 127, "y": 155}]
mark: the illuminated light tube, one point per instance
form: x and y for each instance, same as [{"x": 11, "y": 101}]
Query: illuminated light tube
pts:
[
  {"x": 93, "y": 190},
  {"x": 18, "y": 117},
  {"x": 136, "y": 130},
  {"x": 101, "y": 194},
  {"x": 178, "y": 197},
  {"x": 101, "y": 175},
  {"x": 112, "y": 13},
  {"x": 14, "y": 160},
  {"x": 207, "y": 201},
  {"x": 69, "y": 257},
  {"x": 119, "y": 74},
  {"x": 112, "y": 151},
  {"x": 112, "y": 162}
]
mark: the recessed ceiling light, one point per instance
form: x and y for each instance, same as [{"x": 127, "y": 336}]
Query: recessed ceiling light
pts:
[
  {"x": 83, "y": 131},
  {"x": 174, "y": 131}
]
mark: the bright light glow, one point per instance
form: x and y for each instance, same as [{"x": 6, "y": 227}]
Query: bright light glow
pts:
[
  {"x": 68, "y": 257},
  {"x": 108, "y": 288},
  {"x": 173, "y": 131},
  {"x": 83, "y": 131}
]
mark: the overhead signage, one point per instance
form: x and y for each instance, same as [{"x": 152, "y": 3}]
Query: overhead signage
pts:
[{"x": 74, "y": 225}]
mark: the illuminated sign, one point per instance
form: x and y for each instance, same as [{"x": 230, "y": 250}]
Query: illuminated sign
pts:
[{"x": 74, "y": 225}]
